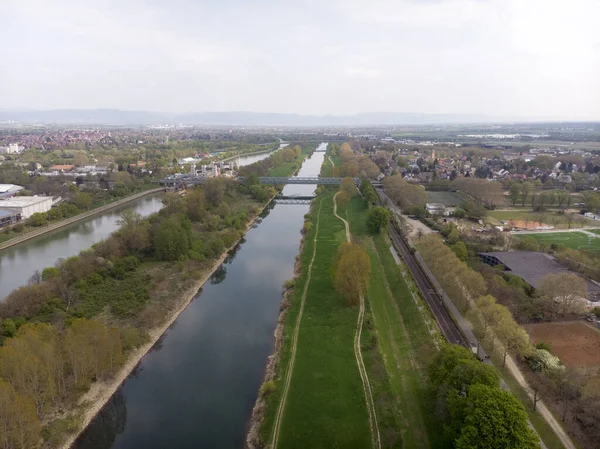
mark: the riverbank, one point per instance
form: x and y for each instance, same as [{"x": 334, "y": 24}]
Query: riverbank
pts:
[
  {"x": 68, "y": 221},
  {"x": 100, "y": 393}
]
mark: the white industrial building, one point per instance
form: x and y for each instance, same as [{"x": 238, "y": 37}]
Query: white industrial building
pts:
[
  {"x": 7, "y": 190},
  {"x": 26, "y": 206},
  {"x": 13, "y": 148}
]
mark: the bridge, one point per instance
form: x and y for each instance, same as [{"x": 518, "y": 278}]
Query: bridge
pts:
[
  {"x": 188, "y": 180},
  {"x": 300, "y": 180}
]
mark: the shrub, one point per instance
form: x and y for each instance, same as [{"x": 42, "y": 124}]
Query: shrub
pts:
[
  {"x": 542, "y": 360},
  {"x": 545, "y": 346},
  {"x": 290, "y": 283},
  {"x": 267, "y": 388}
]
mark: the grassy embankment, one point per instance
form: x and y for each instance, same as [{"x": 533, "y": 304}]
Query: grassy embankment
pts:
[
  {"x": 325, "y": 405},
  {"x": 551, "y": 217}
]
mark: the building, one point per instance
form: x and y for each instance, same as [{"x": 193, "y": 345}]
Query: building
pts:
[
  {"x": 26, "y": 206},
  {"x": 435, "y": 208},
  {"x": 13, "y": 148},
  {"x": 8, "y": 190},
  {"x": 532, "y": 266},
  {"x": 8, "y": 217},
  {"x": 62, "y": 168}
]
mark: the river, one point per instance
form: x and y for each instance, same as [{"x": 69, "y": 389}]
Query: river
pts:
[
  {"x": 197, "y": 386},
  {"x": 252, "y": 158},
  {"x": 19, "y": 262}
]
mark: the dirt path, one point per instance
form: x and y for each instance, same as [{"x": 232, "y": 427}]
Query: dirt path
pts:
[
  {"x": 290, "y": 367},
  {"x": 358, "y": 354},
  {"x": 541, "y": 407}
]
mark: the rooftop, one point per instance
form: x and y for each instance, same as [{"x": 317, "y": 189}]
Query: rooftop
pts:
[
  {"x": 6, "y": 187},
  {"x": 23, "y": 201},
  {"x": 531, "y": 266}
]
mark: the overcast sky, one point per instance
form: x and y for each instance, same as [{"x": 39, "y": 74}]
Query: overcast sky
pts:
[{"x": 518, "y": 58}]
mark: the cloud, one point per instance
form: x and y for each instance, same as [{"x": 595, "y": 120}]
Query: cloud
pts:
[{"x": 498, "y": 57}]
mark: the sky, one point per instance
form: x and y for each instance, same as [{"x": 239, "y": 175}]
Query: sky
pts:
[{"x": 501, "y": 58}]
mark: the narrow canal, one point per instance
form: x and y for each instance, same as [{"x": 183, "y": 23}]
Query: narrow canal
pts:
[
  {"x": 19, "y": 262},
  {"x": 197, "y": 387}
]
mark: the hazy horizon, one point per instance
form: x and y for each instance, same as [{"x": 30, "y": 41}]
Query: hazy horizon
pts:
[{"x": 497, "y": 58}]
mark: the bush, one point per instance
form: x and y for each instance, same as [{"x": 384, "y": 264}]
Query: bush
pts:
[
  {"x": 596, "y": 311},
  {"x": 267, "y": 388},
  {"x": 545, "y": 346},
  {"x": 290, "y": 283},
  {"x": 542, "y": 360}
]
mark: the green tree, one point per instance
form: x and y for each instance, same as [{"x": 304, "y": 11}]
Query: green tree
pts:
[
  {"x": 173, "y": 238},
  {"x": 526, "y": 189},
  {"x": 514, "y": 193},
  {"x": 379, "y": 217},
  {"x": 82, "y": 200},
  {"x": 460, "y": 249},
  {"x": 489, "y": 418}
]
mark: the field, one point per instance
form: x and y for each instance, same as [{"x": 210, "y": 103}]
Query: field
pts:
[
  {"x": 575, "y": 240},
  {"x": 325, "y": 405},
  {"x": 576, "y": 343},
  {"x": 555, "y": 219},
  {"x": 404, "y": 344},
  {"x": 446, "y": 198}
]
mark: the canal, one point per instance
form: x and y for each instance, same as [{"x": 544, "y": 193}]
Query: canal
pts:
[
  {"x": 18, "y": 263},
  {"x": 196, "y": 388}
]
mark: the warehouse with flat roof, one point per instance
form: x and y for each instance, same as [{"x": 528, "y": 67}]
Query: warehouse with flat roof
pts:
[
  {"x": 532, "y": 266},
  {"x": 26, "y": 206}
]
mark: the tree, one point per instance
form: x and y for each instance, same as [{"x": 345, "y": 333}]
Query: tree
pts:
[
  {"x": 347, "y": 185},
  {"x": 562, "y": 293},
  {"x": 134, "y": 232},
  {"x": 352, "y": 273},
  {"x": 460, "y": 249},
  {"x": 526, "y": 189},
  {"x": 82, "y": 200},
  {"x": 379, "y": 217},
  {"x": 570, "y": 217},
  {"x": 214, "y": 190},
  {"x": 489, "y": 418},
  {"x": 514, "y": 193},
  {"x": 561, "y": 197},
  {"x": 514, "y": 338},
  {"x": 19, "y": 425},
  {"x": 172, "y": 238}
]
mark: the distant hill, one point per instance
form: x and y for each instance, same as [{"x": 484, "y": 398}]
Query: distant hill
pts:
[{"x": 121, "y": 117}]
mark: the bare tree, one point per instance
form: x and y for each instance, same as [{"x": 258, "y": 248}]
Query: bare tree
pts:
[{"x": 569, "y": 216}]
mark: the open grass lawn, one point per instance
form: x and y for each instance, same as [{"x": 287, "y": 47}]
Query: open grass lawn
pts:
[
  {"x": 548, "y": 218},
  {"x": 325, "y": 405},
  {"x": 399, "y": 347},
  {"x": 446, "y": 198},
  {"x": 575, "y": 240}
]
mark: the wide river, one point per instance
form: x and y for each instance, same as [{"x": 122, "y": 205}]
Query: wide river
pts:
[
  {"x": 19, "y": 263},
  {"x": 197, "y": 387}
]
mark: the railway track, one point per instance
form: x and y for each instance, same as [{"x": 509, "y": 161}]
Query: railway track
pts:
[{"x": 445, "y": 322}]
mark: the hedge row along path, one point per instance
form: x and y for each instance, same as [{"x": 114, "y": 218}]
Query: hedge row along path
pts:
[
  {"x": 358, "y": 354},
  {"x": 290, "y": 367}
]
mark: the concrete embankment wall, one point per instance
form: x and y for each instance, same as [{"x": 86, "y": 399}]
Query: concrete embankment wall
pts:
[{"x": 68, "y": 221}]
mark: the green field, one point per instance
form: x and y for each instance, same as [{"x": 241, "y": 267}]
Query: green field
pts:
[
  {"x": 405, "y": 346},
  {"x": 574, "y": 240},
  {"x": 446, "y": 198},
  {"x": 325, "y": 405}
]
